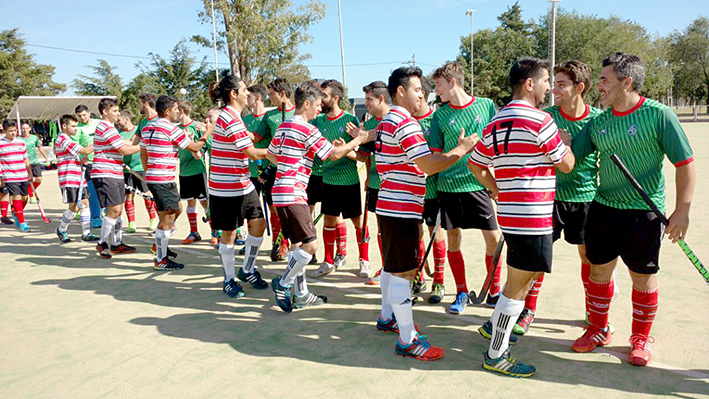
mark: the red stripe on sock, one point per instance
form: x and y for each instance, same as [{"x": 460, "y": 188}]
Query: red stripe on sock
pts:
[
  {"x": 530, "y": 302},
  {"x": 496, "y": 286},
  {"x": 130, "y": 211},
  {"x": 644, "y": 309},
  {"x": 420, "y": 253},
  {"x": 192, "y": 217},
  {"x": 457, "y": 264},
  {"x": 152, "y": 210},
  {"x": 275, "y": 225},
  {"x": 5, "y": 206}
]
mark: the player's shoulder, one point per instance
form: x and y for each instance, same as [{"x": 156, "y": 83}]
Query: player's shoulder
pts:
[
  {"x": 485, "y": 102},
  {"x": 554, "y": 110},
  {"x": 593, "y": 111},
  {"x": 443, "y": 111}
]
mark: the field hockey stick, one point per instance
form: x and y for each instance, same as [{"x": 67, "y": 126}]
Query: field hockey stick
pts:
[
  {"x": 134, "y": 173},
  {"x": 265, "y": 213},
  {"x": 317, "y": 219},
  {"x": 478, "y": 299},
  {"x": 41, "y": 210},
  {"x": 80, "y": 194},
  {"x": 685, "y": 248},
  {"x": 428, "y": 248},
  {"x": 365, "y": 236},
  {"x": 139, "y": 193}
]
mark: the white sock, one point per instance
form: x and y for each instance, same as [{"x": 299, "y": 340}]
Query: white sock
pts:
[
  {"x": 400, "y": 300},
  {"x": 106, "y": 229},
  {"x": 118, "y": 232},
  {"x": 66, "y": 219},
  {"x": 191, "y": 209},
  {"x": 161, "y": 239},
  {"x": 297, "y": 262},
  {"x": 85, "y": 217},
  {"x": 226, "y": 252},
  {"x": 387, "y": 312},
  {"x": 253, "y": 244},
  {"x": 301, "y": 285},
  {"x": 503, "y": 320}
]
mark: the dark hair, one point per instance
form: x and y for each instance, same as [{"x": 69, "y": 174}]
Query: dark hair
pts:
[
  {"x": 81, "y": 108},
  {"x": 336, "y": 88},
  {"x": 426, "y": 87},
  {"x": 66, "y": 118},
  {"x": 526, "y": 68},
  {"x": 577, "y": 71},
  {"x": 222, "y": 90},
  {"x": 106, "y": 103},
  {"x": 164, "y": 103},
  {"x": 378, "y": 88},
  {"x": 307, "y": 91},
  {"x": 280, "y": 85},
  {"x": 627, "y": 65},
  {"x": 126, "y": 114},
  {"x": 184, "y": 106},
  {"x": 261, "y": 90},
  {"x": 9, "y": 123},
  {"x": 450, "y": 70},
  {"x": 147, "y": 98},
  {"x": 400, "y": 77}
]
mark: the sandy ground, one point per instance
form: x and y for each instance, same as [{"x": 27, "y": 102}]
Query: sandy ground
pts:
[{"x": 76, "y": 326}]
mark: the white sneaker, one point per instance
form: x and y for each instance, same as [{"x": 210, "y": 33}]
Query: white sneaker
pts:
[
  {"x": 364, "y": 270},
  {"x": 325, "y": 268},
  {"x": 340, "y": 261}
]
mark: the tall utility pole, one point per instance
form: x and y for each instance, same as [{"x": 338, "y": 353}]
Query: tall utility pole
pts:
[
  {"x": 342, "y": 44},
  {"x": 214, "y": 42},
  {"x": 553, "y": 47},
  {"x": 472, "y": 48}
]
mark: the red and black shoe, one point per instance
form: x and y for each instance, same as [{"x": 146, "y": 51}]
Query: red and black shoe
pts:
[
  {"x": 122, "y": 249},
  {"x": 102, "y": 249}
]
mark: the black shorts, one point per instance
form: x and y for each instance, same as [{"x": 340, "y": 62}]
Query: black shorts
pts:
[
  {"x": 570, "y": 217},
  {"x": 165, "y": 196},
  {"x": 36, "y": 170},
  {"x": 400, "y": 242},
  {"x": 17, "y": 188},
  {"x": 372, "y": 197},
  {"x": 193, "y": 187},
  {"x": 467, "y": 211},
  {"x": 228, "y": 213},
  {"x": 297, "y": 223},
  {"x": 430, "y": 211},
  {"x": 532, "y": 253},
  {"x": 341, "y": 200},
  {"x": 134, "y": 182},
  {"x": 109, "y": 191},
  {"x": 314, "y": 190},
  {"x": 71, "y": 194},
  {"x": 634, "y": 235},
  {"x": 257, "y": 184}
]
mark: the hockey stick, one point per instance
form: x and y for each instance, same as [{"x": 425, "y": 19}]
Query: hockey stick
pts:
[
  {"x": 41, "y": 210},
  {"x": 478, "y": 299},
  {"x": 139, "y": 193},
  {"x": 685, "y": 248},
  {"x": 134, "y": 173},
  {"x": 428, "y": 249},
  {"x": 365, "y": 236},
  {"x": 265, "y": 213}
]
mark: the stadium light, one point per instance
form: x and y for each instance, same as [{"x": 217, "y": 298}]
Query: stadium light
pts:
[
  {"x": 553, "y": 48},
  {"x": 472, "y": 74},
  {"x": 342, "y": 44}
]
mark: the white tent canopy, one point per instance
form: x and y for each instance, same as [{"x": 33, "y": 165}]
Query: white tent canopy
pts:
[{"x": 41, "y": 107}]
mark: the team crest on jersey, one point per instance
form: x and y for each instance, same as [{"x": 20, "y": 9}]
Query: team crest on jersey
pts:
[
  {"x": 603, "y": 131},
  {"x": 478, "y": 119},
  {"x": 342, "y": 129},
  {"x": 633, "y": 130},
  {"x": 452, "y": 122}
]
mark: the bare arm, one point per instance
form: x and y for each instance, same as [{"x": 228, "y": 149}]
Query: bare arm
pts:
[
  {"x": 486, "y": 178},
  {"x": 44, "y": 154},
  {"x": 434, "y": 163},
  {"x": 272, "y": 158},
  {"x": 144, "y": 158},
  {"x": 567, "y": 162},
  {"x": 255, "y": 154},
  {"x": 685, "y": 177},
  {"x": 87, "y": 150},
  {"x": 128, "y": 149}
]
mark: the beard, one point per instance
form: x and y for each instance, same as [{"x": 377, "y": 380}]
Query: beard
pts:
[{"x": 327, "y": 107}]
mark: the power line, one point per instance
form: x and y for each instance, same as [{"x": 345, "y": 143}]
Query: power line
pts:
[{"x": 89, "y": 52}]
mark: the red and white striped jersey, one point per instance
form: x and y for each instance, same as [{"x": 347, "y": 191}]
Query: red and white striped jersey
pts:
[
  {"x": 12, "y": 160},
  {"x": 522, "y": 143},
  {"x": 108, "y": 161},
  {"x": 229, "y": 166},
  {"x": 161, "y": 139},
  {"x": 399, "y": 142},
  {"x": 295, "y": 144},
  {"x": 68, "y": 163}
]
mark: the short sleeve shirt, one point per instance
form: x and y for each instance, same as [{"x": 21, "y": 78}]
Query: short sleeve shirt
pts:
[
  {"x": 229, "y": 164},
  {"x": 68, "y": 161},
  {"x": 12, "y": 160},
  {"x": 342, "y": 172},
  {"x": 108, "y": 161},
  {"x": 161, "y": 140}
]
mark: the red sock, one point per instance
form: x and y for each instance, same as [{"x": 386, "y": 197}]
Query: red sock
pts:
[
  {"x": 420, "y": 253},
  {"x": 362, "y": 246},
  {"x": 439, "y": 261},
  {"x": 17, "y": 209},
  {"x": 275, "y": 226},
  {"x": 530, "y": 302},
  {"x": 496, "y": 286},
  {"x": 599, "y": 302},
  {"x": 328, "y": 237},
  {"x": 36, "y": 184},
  {"x": 455, "y": 260},
  {"x": 130, "y": 210},
  {"x": 30, "y": 191},
  {"x": 341, "y": 238},
  {"x": 381, "y": 248},
  {"x": 585, "y": 273},
  {"x": 152, "y": 210},
  {"x": 192, "y": 217},
  {"x": 5, "y": 206},
  {"x": 644, "y": 309}
]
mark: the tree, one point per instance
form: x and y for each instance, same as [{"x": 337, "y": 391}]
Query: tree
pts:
[
  {"x": 106, "y": 81},
  {"x": 512, "y": 19},
  {"x": 142, "y": 83},
  {"x": 690, "y": 53},
  {"x": 262, "y": 37},
  {"x": 20, "y": 75}
]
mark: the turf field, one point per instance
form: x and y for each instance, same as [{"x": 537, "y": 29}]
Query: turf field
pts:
[{"x": 77, "y": 326}]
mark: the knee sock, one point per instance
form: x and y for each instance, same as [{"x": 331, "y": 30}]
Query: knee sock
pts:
[
  {"x": 67, "y": 217},
  {"x": 400, "y": 300},
  {"x": 17, "y": 209},
  {"x": 130, "y": 210},
  {"x": 363, "y": 245},
  {"x": 252, "y": 246},
  {"x": 381, "y": 247},
  {"x": 192, "y": 217},
  {"x": 275, "y": 226},
  {"x": 328, "y": 237},
  {"x": 152, "y": 209},
  {"x": 599, "y": 302},
  {"x": 85, "y": 218},
  {"x": 36, "y": 184},
  {"x": 439, "y": 261},
  {"x": 644, "y": 309},
  {"x": 5, "y": 206},
  {"x": 106, "y": 230},
  {"x": 496, "y": 285},
  {"x": 300, "y": 287},
  {"x": 420, "y": 252},
  {"x": 341, "y": 237},
  {"x": 296, "y": 263},
  {"x": 530, "y": 302},
  {"x": 455, "y": 260},
  {"x": 585, "y": 273},
  {"x": 226, "y": 253},
  {"x": 387, "y": 312},
  {"x": 118, "y": 231},
  {"x": 503, "y": 319}
]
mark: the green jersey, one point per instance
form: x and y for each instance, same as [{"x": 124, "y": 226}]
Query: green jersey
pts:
[
  {"x": 142, "y": 124},
  {"x": 252, "y": 121},
  {"x": 31, "y": 142},
  {"x": 581, "y": 183},
  {"x": 431, "y": 181},
  {"x": 375, "y": 181},
  {"x": 86, "y": 135},
  {"x": 132, "y": 161},
  {"x": 188, "y": 165},
  {"x": 445, "y": 131},
  {"x": 268, "y": 125},
  {"x": 641, "y": 137},
  {"x": 342, "y": 172}
]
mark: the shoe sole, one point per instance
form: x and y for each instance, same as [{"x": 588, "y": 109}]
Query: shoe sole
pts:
[
  {"x": 105, "y": 256},
  {"x": 506, "y": 373},
  {"x": 122, "y": 252},
  {"x": 434, "y": 300},
  {"x": 273, "y": 284},
  {"x": 418, "y": 357},
  {"x": 638, "y": 362},
  {"x": 586, "y": 350}
]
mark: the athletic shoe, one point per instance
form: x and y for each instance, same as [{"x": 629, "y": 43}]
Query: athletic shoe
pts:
[
  {"x": 374, "y": 280},
  {"x": 122, "y": 249},
  {"x": 325, "y": 268},
  {"x": 102, "y": 249},
  {"x": 486, "y": 331},
  {"x": 252, "y": 278},
  {"x": 89, "y": 238},
  {"x": 33, "y": 200},
  {"x": 390, "y": 326},
  {"x": 523, "y": 322},
  {"x": 77, "y": 216},
  {"x": 283, "y": 295},
  {"x": 17, "y": 222},
  {"x": 239, "y": 241},
  {"x": 364, "y": 269},
  {"x": 507, "y": 365},
  {"x": 340, "y": 261},
  {"x": 63, "y": 236},
  {"x": 167, "y": 264},
  {"x": 313, "y": 260},
  {"x": 491, "y": 301},
  {"x": 283, "y": 250},
  {"x": 308, "y": 299},
  {"x": 610, "y": 326},
  {"x": 242, "y": 251},
  {"x": 153, "y": 224},
  {"x": 170, "y": 253},
  {"x": 6, "y": 220},
  {"x": 96, "y": 223},
  {"x": 461, "y": 300},
  {"x": 418, "y": 286},
  {"x": 419, "y": 349},
  {"x": 192, "y": 237},
  {"x": 24, "y": 227},
  {"x": 437, "y": 293},
  {"x": 273, "y": 255},
  {"x": 592, "y": 338},
  {"x": 640, "y": 350},
  {"x": 233, "y": 289},
  {"x": 214, "y": 241},
  {"x": 131, "y": 227}
]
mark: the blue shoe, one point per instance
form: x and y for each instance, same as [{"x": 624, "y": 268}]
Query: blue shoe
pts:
[
  {"x": 63, "y": 236},
  {"x": 419, "y": 349},
  {"x": 283, "y": 295},
  {"x": 461, "y": 300},
  {"x": 17, "y": 222},
  {"x": 508, "y": 366},
  {"x": 96, "y": 223},
  {"x": 233, "y": 289},
  {"x": 24, "y": 227},
  {"x": 252, "y": 278},
  {"x": 486, "y": 331}
]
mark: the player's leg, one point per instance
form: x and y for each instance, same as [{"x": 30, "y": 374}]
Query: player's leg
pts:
[
  {"x": 5, "y": 205},
  {"x": 94, "y": 200},
  {"x": 225, "y": 216},
  {"x": 130, "y": 202},
  {"x": 492, "y": 238},
  {"x": 253, "y": 213},
  {"x": 188, "y": 187},
  {"x": 351, "y": 207},
  {"x": 331, "y": 210},
  {"x": 169, "y": 208},
  {"x": 69, "y": 197}
]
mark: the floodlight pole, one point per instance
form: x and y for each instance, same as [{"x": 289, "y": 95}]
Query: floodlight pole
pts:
[
  {"x": 342, "y": 43},
  {"x": 472, "y": 48},
  {"x": 214, "y": 42},
  {"x": 553, "y": 47}
]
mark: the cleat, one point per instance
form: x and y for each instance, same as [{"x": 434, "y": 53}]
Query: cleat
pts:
[
  {"x": 325, "y": 268},
  {"x": 508, "y": 366},
  {"x": 214, "y": 241},
  {"x": 89, "y": 238},
  {"x": 390, "y": 326},
  {"x": 192, "y": 237},
  {"x": 24, "y": 227},
  {"x": 242, "y": 251},
  {"x": 461, "y": 300},
  {"x": 33, "y": 200},
  {"x": 640, "y": 350},
  {"x": 274, "y": 254},
  {"x": 122, "y": 249},
  {"x": 309, "y": 299},
  {"x": 418, "y": 286},
  {"x": 170, "y": 253},
  {"x": 523, "y": 322},
  {"x": 102, "y": 249},
  {"x": 419, "y": 349},
  {"x": 6, "y": 220},
  {"x": 364, "y": 269},
  {"x": 374, "y": 280},
  {"x": 491, "y": 301},
  {"x": 252, "y": 278},
  {"x": 283, "y": 295},
  {"x": 233, "y": 289},
  {"x": 167, "y": 264},
  {"x": 486, "y": 331},
  {"x": 131, "y": 227},
  {"x": 592, "y": 338},
  {"x": 63, "y": 236},
  {"x": 153, "y": 224},
  {"x": 340, "y": 260},
  {"x": 239, "y": 241},
  {"x": 437, "y": 293}
]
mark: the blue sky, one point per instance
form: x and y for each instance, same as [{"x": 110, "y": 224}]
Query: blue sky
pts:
[{"x": 375, "y": 31}]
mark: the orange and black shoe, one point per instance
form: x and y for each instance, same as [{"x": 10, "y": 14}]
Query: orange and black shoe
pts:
[{"x": 419, "y": 349}]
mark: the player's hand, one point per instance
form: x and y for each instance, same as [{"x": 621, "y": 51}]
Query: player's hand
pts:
[
  {"x": 201, "y": 126},
  {"x": 493, "y": 194},
  {"x": 351, "y": 128},
  {"x": 338, "y": 142},
  {"x": 209, "y": 131},
  {"x": 565, "y": 137},
  {"x": 679, "y": 223},
  {"x": 468, "y": 143}
]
